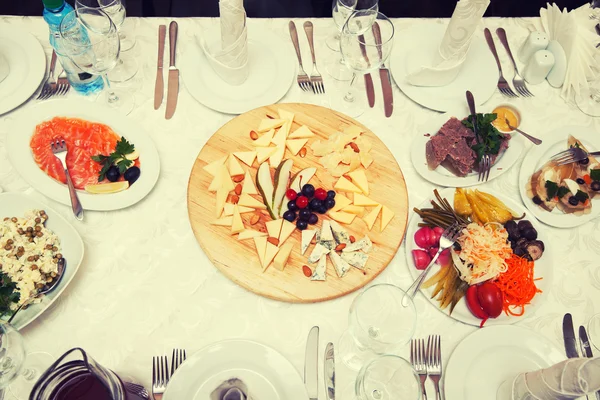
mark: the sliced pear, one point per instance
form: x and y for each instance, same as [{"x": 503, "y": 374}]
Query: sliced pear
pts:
[
  {"x": 237, "y": 224},
  {"x": 268, "y": 123},
  {"x": 343, "y": 217},
  {"x": 341, "y": 202},
  {"x": 224, "y": 221},
  {"x": 302, "y": 178},
  {"x": 234, "y": 167},
  {"x": 214, "y": 166},
  {"x": 282, "y": 178},
  {"x": 249, "y": 187},
  {"x": 345, "y": 185},
  {"x": 261, "y": 245},
  {"x": 282, "y": 257},
  {"x": 250, "y": 234},
  {"x": 264, "y": 184},
  {"x": 263, "y": 153},
  {"x": 221, "y": 198},
  {"x": 372, "y": 216},
  {"x": 359, "y": 178},
  {"x": 302, "y": 132},
  {"x": 265, "y": 139},
  {"x": 295, "y": 145},
  {"x": 249, "y": 201},
  {"x": 386, "y": 216},
  {"x": 247, "y": 157},
  {"x": 364, "y": 201}
]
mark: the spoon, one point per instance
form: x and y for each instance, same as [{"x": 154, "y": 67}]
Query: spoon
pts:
[
  {"x": 46, "y": 289},
  {"x": 533, "y": 139}
]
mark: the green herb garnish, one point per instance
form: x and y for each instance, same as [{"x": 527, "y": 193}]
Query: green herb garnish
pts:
[
  {"x": 595, "y": 174},
  {"x": 562, "y": 191},
  {"x": 551, "y": 190},
  {"x": 8, "y": 294},
  {"x": 581, "y": 196},
  {"x": 488, "y": 139},
  {"x": 118, "y": 158}
]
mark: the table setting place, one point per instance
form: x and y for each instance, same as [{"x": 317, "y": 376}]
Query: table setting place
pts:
[{"x": 266, "y": 214}]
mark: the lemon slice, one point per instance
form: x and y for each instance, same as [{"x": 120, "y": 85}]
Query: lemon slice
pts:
[{"x": 107, "y": 188}]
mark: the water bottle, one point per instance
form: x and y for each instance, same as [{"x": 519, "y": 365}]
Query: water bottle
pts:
[{"x": 82, "y": 82}]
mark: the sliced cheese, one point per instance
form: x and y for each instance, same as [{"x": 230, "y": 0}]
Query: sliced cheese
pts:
[
  {"x": 261, "y": 245},
  {"x": 280, "y": 136},
  {"x": 237, "y": 225},
  {"x": 286, "y": 230},
  {"x": 363, "y": 244},
  {"x": 217, "y": 182},
  {"x": 352, "y": 209},
  {"x": 320, "y": 272},
  {"x": 353, "y": 131},
  {"x": 221, "y": 198},
  {"x": 214, "y": 166},
  {"x": 286, "y": 128},
  {"x": 249, "y": 234},
  {"x": 277, "y": 156},
  {"x": 345, "y": 185},
  {"x": 366, "y": 159},
  {"x": 341, "y": 202},
  {"x": 326, "y": 234},
  {"x": 268, "y": 123},
  {"x": 221, "y": 180},
  {"x": 307, "y": 237},
  {"x": 317, "y": 252},
  {"x": 247, "y": 157},
  {"x": 265, "y": 139},
  {"x": 228, "y": 209},
  {"x": 270, "y": 253},
  {"x": 341, "y": 266},
  {"x": 225, "y": 221},
  {"x": 234, "y": 167},
  {"x": 302, "y": 132},
  {"x": 343, "y": 217},
  {"x": 372, "y": 216},
  {"x": 359, "y": 178},
  {"x": 286, "y": 115},
  {"x": 249, "y": 187},
  {"x": 282, "y": 256},
  {"x": 294, "y": 145},
  {"x": 357, "y": 259},
  {"x": 248, "y": 201},
  {"x": 386, "y": 216},
  {"x": 262, "y": 153},
  {"x": 364, "y": 201},
  {"x": 280, "y": 229},
  {"x": 274, "y": 227},
  {"x": 339, "y": 234}
]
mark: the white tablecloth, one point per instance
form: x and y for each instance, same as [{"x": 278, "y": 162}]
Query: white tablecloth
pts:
[{"x": 145, "y": 285}]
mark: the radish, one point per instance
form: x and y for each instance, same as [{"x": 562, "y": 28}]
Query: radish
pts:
[
  {"x": 421, "y": 258},
  {"x": 424, "y": 237}
]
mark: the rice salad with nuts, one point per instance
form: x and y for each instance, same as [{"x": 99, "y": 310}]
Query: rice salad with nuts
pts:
[{"x": 29, "y": 255}]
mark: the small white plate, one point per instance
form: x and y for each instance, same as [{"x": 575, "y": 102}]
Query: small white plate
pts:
[
  {"x": 490, "y": 356},
  {"x": 479, "y": 73},
  {"x": 15, "y": 205},
  {"x": 272, "y": 71},
  {"x": 266, "y": 372},
  {"x": 543, "y": 266},
  {"x": 27, "y": 63},
  {"x": 19, "y": 152},
  {"x": 441, "y": 176},
  {"x": 553, "y": 143}
]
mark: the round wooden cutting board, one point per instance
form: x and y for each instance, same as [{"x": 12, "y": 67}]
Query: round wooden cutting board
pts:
[{"x": 238, "y": 260}]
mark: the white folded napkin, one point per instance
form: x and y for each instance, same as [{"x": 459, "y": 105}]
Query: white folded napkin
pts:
[
  {"x": 454, "y": 46},
  {"x": 4, "y": 68}
]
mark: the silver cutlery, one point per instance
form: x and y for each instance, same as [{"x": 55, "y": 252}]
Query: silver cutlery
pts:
[
  {"x": 137, "y": 390},
  {"x": 302, "y": 79},
  {"x": 160, "y": 376},
  {"x": 574, "y": 154},
  {"x": 159, "y": 86},
  {"x": 173, "y": 90},
  {"x": 384, "y": 76},
  {"x": 485, "y": 164},
  {"x": 586, "y": 349},
  {"x": 503, "y": 85},
  {"x": 329, "y": 372},
  {"x": 62, "y": 84},
  {"x": 534, "y": 140},
  {"x": 518, "y": 81},
  {"x": 316, "y": 79},
  {"x": 569, "y": 336},
  {"x": 368, "y": 77},
  {"x": 434, "y": 362},
  {"x": 311, "y": 364},
  {"x": 49, "y": 88},
  {"x": 418, "y": 360},
  {"x": 59, "y": 149},
  {"x": 178, "y": 357}
]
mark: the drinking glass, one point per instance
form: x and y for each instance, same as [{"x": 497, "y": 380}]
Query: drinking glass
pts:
[
  {"x": 388, "y": 377},
  {"x": 115, "y": 9},
  {"x": 92, "y": 43},
  {"x": 588, "y": 100},
  {"x": 378, "y": 323},
  {"x": 595, "y": 12},
  {"x": 363, "y": 52},
  {"x": 594, "y": 330},
  {"x": 340, "y": 11}
]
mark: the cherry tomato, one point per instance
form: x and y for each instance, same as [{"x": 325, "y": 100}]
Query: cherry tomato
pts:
[
  {"x": 302, "y": 201},
  {"x": 291, "y": 194},
  {"x": 321, "y": 194}
]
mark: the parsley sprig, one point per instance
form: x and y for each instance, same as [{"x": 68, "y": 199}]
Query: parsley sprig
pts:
[
  {"x": 8, "y": 294},
  {"x": 489, "y": 138},
  {"x": 117, "y": 157}
]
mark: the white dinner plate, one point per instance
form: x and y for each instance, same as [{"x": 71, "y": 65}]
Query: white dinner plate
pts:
[
  {"x": 267, "y": 374},
  {"x": 553, "y": 143},
  {"x": 272, "y": 70},
  {"x": 479, "y": 73},
  {"x": 15, "y": 205},
  {"x": 543, "y": 266},
  {"x": 441, "y": 176},
  {"x": 17, "y": 146},
  {"x": 490, "y": 356},
  {"x": 27, "y": 63}
]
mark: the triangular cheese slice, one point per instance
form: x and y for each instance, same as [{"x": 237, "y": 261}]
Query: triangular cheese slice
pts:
[
  {"x": 280, "y": 229},
  {"x": 270, "y": 253},
  {"x": 268, "y": 123},
  {"x": 326, "y": 234},
  {"x": 366, "y": 159},
  {"x": 273, "y": 227},
  {"x": 237, "y": 225},
  {"x": 280, "y": 136},
  {"x": 364, "y": 201},
  {"x": 286, "y": 128},
  {"x": 277, "y": 157},
  {"x": 261, "y": 245},
  {"x": 372, "y": 216},
  {"x": 234, "y": 167},
  {"x": 217, "y": 181},
  {"x": 343, "y": 217},
  {"x": 295, "y": 145},
  {"x": 225, "y": 221},
  {"x": 286, "y": 115},
  {"x": 262, "y": 153},
  {"x": 286, "y": 230},
  {"x": 228, "y": 209},
  {"x": 247, "y": 157},
  {"x": 282, "y": 257},
  {"x": 307, "y": 237},
  {"x": 345, "y": 185},
  {"x": 213, "y": 167},
  {"x": 302, "y": 132},
  {"x": 341, "y": 202},
  {"x": 221, "y": 198},
  {"x": 265, "y": 139},
  {"x": 248, "y": 201},
  {"x": 249, "y": 187},
  {"x": 353, "y": 131},
  {"x": 360, "y": 179},
  {"x": 249, "y": 234},
  {"x": 352, "y": 209},
  {"x": 221, "y": 180},
  {"x": 386, "y": 216}
]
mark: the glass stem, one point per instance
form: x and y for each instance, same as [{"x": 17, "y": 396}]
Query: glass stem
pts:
[
  {"x": 112, "y": 96},
  {"x": 595, "y": 95},
  {"x": 349, "y": 97},
  {"x": 29, "y": 374}
]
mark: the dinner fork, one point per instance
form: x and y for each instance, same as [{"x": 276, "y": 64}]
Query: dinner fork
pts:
[
  {"x": 62, "y": 84},
  {"x": 49, "y": 87},
  {"x": 418, "y": 361},
  {"x": 160, "y": 376},
  {"x": 485, "y": 163},
  {"x": 574, "y": 154},
  {"x": 518, "y": 81},
  {"x": 137, "y": 390},
  {"x": 179, "y": 356},
  {"x": 60, "y": 151},
  {"x": 316, "y": 79},
  {"x": 503, "y": 85},
  {"x": 303, "y": 79},
  {"x": 434, "y": 362}
]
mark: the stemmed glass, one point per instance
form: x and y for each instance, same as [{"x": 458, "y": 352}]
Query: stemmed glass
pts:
[
  {"x": 126, "y": 67},
  {"x": 588, "y": 100},
  {"x": 340, "y": 11},
  {"x": 364, "y": 50},
  {"x": 595, "y": 12},
  {"x": 594, "y": 330},
  {"x": 388, "y": 378},
  {"x": 92, "y": 43},
  {"x": 378, "y": 323}
]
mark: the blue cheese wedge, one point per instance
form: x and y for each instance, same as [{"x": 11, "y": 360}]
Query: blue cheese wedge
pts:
[
  {"x": 339, "y": 234},
  {"x": 320, "y": 272},
  {"x": 341, "y": 266},
  {"x": 357, "y": 259},
  {"x": 307, "y": 237},
  {"x": 363, "y": 244},
  {"x": 317, "y": 252}
]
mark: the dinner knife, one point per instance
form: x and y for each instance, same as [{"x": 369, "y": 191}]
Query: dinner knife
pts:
[
  {"x": 159, "y": 87},
  {"x": 329, "y": 372},
  {"x": 368, "y": 77},
  {"x": 384, "y": 76},
  {"x": 173, "y": 90},
  {"x": 311, "y": 364},
  {"x": 598, "y": 32},
  {"x": 586, "y": 349},
  {"x": 569, "y": 336}
]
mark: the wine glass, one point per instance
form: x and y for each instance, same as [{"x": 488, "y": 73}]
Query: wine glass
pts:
[
  {"x": 595, "y": 12},
  {"x": 378, "y": 323},
  {"x": 115, "y": 9},
  {"x": 92, "y": 43},
  {"x": 366, "y": 43},
  {"x": 594, "y": 330},
  {"x": 388, "y": 377},
  {"x": 588, "y": 100},
  {"x": 340, "y": 11}
]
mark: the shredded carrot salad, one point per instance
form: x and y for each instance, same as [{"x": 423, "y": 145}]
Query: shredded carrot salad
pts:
[{"x": 517, "y": 285}]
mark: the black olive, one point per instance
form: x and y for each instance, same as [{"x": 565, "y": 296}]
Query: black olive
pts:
[
  {"x": 536, "y": 200},
  {"x": 523, "y": 225},
  {"x": 113, "y": 174},
  {"x": 513, "y": 230},
  {"x": 573, "y": 201},
  {"x": 520, "y": 251},
  {"x": 595, "y": 186},
  {"x": 585, "y": 161},
  {"x": 132, "y": 175},
  {"x": 530, "y": 234},
  {"x": 510, "y": 224},
  {"x": 580, "y": 181}
]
